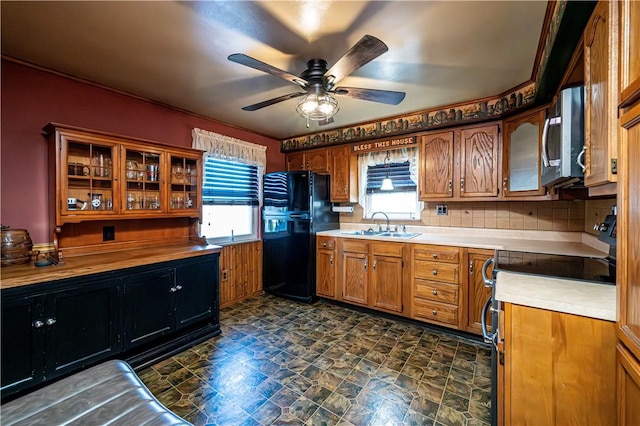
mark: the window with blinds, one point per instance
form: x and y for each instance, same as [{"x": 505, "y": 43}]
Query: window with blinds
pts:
[
  {"x": 229, "y": 183},
  {"x": 399, "y": 173},
  {"x": 230, "y": 198}
]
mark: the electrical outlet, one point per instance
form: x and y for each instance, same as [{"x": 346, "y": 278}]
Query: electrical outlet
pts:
[
  {"x": 442, "y": 210},
  {"x": 108, "y": 233},
  {"x": 224, "y": 275}
]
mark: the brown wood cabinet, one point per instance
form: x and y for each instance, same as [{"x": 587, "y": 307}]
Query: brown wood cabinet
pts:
[
  {"x": 628, "y": 267},
  {"x": 460, "y": 164},
  {"x": 521, "y": 154},
  {"x": 558, "y": 368},
  {"x": 479, "y": 161},
  {"x": 601, "y": 95},
  {"x": 372, "y": 274},
  {"x": 240, "y": 272},
  {"x": 326, "y": 267},
  {"x": 434, "y": 284},
  {"x": 313, "y": 160},
  {"x": 436, "y": 156},
  {"x": 344, "y": 175},
  {"x": 478, "y": 293}
]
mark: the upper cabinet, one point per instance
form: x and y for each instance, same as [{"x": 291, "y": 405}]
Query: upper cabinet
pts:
[
  {"x": 315, "y": 160},
  {"x": 460, "y": 163},
  {"x": 602, "y": 95},
  {"x": 521, "y": 155},
  {"x": 344, "y": 172},
  {"x": 437, "y": 165},
  {"x": 479, "y": 161},
  {"x": 100, "y": 176}
]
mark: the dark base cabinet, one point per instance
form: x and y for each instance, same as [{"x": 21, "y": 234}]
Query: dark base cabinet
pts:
[{"x": 140, "y": 314}]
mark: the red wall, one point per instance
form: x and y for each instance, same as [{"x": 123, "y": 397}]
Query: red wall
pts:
[{"x": 32, "y": 98}]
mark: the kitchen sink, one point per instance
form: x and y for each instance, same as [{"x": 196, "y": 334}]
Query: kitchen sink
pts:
[
  {"x": 367, "y": 232},
  {"x": 398, "y": 234}
]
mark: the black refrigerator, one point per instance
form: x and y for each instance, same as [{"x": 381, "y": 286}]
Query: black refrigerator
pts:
[{"x": 296, "y": 206}]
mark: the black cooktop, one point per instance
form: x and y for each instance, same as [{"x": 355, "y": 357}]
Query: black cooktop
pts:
[{"x": 601, "y": 270}]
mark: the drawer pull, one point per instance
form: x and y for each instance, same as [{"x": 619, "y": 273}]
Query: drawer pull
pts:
[
  {"x": 434, "y": 255},
  {"x": 324, "y": 244},
  {"x": 37, "y": 324},
  {"x": 435, "y": 292},
  {"x": 51, "y": 321},
  {"x": 434, "y": 312},
  {"x": 435, "y": 272}
]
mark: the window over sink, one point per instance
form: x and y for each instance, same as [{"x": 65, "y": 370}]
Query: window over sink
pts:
[{"x": 401, "y": 167}]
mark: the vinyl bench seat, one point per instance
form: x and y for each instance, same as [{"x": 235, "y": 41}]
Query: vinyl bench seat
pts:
[{"x": 109, "y": 393}]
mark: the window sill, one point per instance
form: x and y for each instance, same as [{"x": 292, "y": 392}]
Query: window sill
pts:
[{"x": 229, "y": 242}]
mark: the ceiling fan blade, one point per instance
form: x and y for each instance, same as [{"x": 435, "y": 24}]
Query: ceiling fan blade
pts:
[
  {"x": 269, "y": 102},
  {"x": 382, "y": 96},
  {"x": 364, "y": 51},
  {"x": 248, "y": 61}
]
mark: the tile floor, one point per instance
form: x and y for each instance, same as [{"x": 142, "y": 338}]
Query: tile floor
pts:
[{"x": 279, "y": 362}]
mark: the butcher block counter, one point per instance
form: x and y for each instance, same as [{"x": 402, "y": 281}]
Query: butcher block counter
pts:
[{"x": 28, "y": 273}]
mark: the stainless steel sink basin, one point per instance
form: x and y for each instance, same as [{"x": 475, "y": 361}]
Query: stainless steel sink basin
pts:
[
  {"x": 399, "y": 234},
  {"x": 367, "y": 232}
]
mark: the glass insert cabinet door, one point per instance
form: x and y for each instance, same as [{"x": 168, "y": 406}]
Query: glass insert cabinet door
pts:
[
  {"x": 183, "y": 180},
  {"x": 144, "y": 174},
  {"x": 87, "y": 177}
]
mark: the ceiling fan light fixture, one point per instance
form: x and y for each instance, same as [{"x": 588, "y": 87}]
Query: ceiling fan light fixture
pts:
[{"x": 317, "y": 107}]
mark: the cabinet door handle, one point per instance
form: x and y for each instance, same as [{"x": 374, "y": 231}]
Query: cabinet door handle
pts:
[
  {"x": 450, "y": 186},
  {"x": 50, "y": 321},
  {"x": 173, "y": 290},
  {"x": 375, "y": 263},
  {"x": 178, "y": 287},
  {"x": 434, "y": 312},
  {"x": 365, "y": 265},
  {"x": 324, "y": 244},
  {"x": 435, "y": 272},
  {"x": 462, "y": 184},
  {"x": 331, "y": 260},
  {"x": 504, "y": 184},
  {"x": 37, "y": 324},
  {"x": 471, "y": 267},
  {"x": 434, "y": 255}
]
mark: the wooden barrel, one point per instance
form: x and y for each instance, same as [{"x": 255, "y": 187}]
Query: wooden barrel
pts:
[{"x": 16, "y": 247}]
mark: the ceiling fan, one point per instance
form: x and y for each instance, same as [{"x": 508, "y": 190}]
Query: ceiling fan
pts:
[{"x": 319, "y": 83}]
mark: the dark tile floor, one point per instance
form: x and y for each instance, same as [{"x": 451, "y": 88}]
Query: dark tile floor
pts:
[{"x": 279, "y": 362}]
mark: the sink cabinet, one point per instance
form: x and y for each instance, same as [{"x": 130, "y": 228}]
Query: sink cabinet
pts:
[
  {"x": 372, "y": 274},
  {"x": 138, "y": 314}
]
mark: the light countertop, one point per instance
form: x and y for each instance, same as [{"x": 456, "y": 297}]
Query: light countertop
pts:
[
  {"x": 576, "y": 297},
  {"x": 549, "y": 242}
]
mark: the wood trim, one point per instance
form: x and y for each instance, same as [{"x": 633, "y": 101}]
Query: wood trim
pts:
[
  {"x": 630, "y": 94},
  {"x": 544, "y": 34}
]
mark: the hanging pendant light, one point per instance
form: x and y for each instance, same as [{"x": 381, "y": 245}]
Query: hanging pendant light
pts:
[{"x": 387, "y": 184}]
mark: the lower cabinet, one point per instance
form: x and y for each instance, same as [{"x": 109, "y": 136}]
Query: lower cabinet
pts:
[
  {"x": 52, "y": 329},
  {"x": 240, "y": 272},
  {"x": 628, "y": 383},
  {"x": 372, "y": 274},
  {"x": 559, "y": 369},
  {"x": 326, "y": 270},
  {"x": 49, "y": 334},
  {"x": 478, "y": 293},
  {"x": 435, "y": 289}
]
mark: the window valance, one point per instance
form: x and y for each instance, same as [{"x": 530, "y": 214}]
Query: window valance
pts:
[{"x": 230, "y": 149}]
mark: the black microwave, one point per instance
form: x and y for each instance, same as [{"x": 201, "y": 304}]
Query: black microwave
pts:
[{"x": 563, "y": 140}]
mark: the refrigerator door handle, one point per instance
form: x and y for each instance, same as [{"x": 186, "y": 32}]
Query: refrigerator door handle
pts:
[{"x": 299, "y": 216}]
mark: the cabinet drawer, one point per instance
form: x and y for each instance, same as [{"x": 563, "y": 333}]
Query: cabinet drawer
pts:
[
  {"x": 437, "y": 253},
  {"x": 436, "y": 271},
  {"x": 435, "y": 311},
  {"x": 388, "y": 249},
  {"x": 326, "y": 243},
  {"x": 355, "y": 246},
  {"x": 440, "y": 292}
]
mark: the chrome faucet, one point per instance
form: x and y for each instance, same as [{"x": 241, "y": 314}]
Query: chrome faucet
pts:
[{"x": 380, "y": 226}]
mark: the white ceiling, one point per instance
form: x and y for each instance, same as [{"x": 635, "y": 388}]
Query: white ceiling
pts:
[{"x": 176, "y": 52}]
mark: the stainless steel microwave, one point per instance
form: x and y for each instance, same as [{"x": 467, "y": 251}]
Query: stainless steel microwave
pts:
[{"x": 563, "y": 140}]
